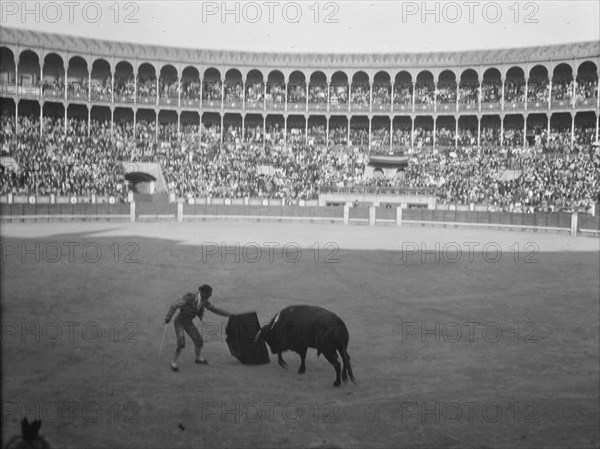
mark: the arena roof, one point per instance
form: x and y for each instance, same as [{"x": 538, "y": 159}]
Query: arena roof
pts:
[{"x": 23, "y": 39}]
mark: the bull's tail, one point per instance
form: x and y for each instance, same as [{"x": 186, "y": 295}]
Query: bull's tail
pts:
[{"x": 347, "y": 367}]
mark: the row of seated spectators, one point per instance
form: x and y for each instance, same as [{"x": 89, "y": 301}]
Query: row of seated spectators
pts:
[
  {"x": 468, "y": 93},
  {"x": 358, "y": 136},
  {"x": 196, "y": 164}
]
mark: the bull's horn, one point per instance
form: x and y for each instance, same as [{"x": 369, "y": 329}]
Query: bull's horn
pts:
[{"x": 257, "y": 336}]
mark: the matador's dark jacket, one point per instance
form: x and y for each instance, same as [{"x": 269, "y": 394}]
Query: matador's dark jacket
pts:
[{"x": 190, "y": 305}]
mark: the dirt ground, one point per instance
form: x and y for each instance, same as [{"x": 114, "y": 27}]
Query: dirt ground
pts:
[{"x": 458, "y": 338}]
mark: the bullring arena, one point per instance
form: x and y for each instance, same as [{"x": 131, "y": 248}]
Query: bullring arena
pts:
[{"x": 442, "y": 206}]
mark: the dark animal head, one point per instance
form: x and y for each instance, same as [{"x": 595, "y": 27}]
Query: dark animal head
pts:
[
  {"x": 30, "y": 438},
  {"x": 268, "y": 335}
]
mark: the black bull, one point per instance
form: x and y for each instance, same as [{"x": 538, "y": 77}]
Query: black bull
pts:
[{"x": 298, "y": 328}]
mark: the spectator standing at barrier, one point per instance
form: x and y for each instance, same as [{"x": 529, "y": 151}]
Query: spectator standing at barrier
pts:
[{"x": 191, "y": 305}]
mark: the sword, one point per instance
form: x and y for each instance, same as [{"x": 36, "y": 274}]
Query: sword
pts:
[{"x": 162, "y": 341}]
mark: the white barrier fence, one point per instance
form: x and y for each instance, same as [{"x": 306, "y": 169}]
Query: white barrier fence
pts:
[{"x": 372, "y": 219}]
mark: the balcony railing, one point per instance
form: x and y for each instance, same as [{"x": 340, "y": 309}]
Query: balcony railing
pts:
[
  {"x": 53, "y": 93},
  {"x": 402, "y": 107},
  {"x": 382, "y": 107},
  {"x": 299, "y": 107},
  {"x": 211, "y": 104},
  {"x": 514, "y": 106},
  {"x": 495, "y": 106},
  {"x": 586, "y": 103},
  {"x": 233, "y": 104},
  {"x": 272, "y": 106},
  {"x": 149, "y": 100},
  {"x": 468, "y": 107},
  {"x": 254, "y": 105},
  {"x": 360, "y": 107},
  {"x": 124, "y": 98},
  {"x": 447, "y": 106},
  {"x": 338, "y": 107},
  {"x": 537, "y": 105},
  {"x": 168, "y": 101},
  {"x": 422, "y": 107}
]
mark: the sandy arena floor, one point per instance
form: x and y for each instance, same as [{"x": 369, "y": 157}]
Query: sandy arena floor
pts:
[{"x": 459, "y": 338}]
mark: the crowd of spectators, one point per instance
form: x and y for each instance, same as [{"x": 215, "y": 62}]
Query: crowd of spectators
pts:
[
  {"x": 338, "y": 93},
  {"x": 424, "y": 93},
  {"x": 168, "y": 87},
  {"x": 446, "y": 93},
  {"x": 274, "y": 133},
  {"x": 65, "y": 164},
  {"x": 467, "y": 137},
  {"x": 562, "y": 89},
  {"x": 338, "y": 134},
  {"x": 212, "y": 91},
  {"x": 254, "y": 92},
  {"x": 317, "y": 135},
  {"x": 101, "y": 90},
  {"x": 422, "y": 137},
  {"x": 489, "y": 136},
  {"x": 190, "y": 89},
  {"x": 586, "y": 89},
  {"x": 491, "y": 92},
  {"x": 275, "y": 93},
  {"x": 380, "y": 137},
  {"x": 317, "y": 92},
  {"x": 359, "y": 136},
  {"x": 468, "y": 93},
  {"x": 233, "y": 91},
  {"x": 196, "y": 163},
  {"x": 537, "y": 90},
  {"x": 146, "y": 86},
  {"x": 124, "y": 87},
  {"x": 382, "y": 93},
  {"x": 361, "y": 93},
  {"x": 54, "y": 88},
  {"x": 514, "y": 91},
  {"x": 512, "y": 137},
  {"x": 403, "y": 93},
  {"x": 77, "y": 89},
  {"x": 296, "y": 133},
  {"x": 297, "y": 93},
  {"x": 402, "y": 136},
  {"x": 569, "y": 181}
]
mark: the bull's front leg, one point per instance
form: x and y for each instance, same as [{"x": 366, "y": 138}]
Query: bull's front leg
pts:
[
  {"x": 302, "y": 353},
  {"x": 281, "y": 361}
]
